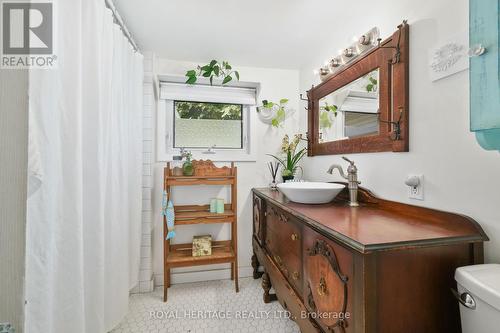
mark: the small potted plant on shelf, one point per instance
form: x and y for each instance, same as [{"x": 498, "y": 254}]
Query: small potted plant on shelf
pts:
[
  {"x": 291, "y": 158},
  {"x": 187, "y": 167}
]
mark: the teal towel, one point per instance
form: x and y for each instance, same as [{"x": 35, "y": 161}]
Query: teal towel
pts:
[{"x": 169, "y": 213}]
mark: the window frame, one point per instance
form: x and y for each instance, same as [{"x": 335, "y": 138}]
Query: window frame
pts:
[
  {"x": 165, "y": 130},
  {"x": 242, "y": 125}
]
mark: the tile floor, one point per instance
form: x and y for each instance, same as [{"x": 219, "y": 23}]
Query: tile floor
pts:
[{"x": 206, "y": 307}]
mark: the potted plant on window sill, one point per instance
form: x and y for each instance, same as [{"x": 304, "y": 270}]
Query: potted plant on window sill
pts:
[
  {"x": 187, "y": 167},
  {"x": 216, "y": 72},
  {"x": 292, "y": 157}
]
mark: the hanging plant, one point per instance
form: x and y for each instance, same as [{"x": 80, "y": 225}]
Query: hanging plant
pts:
[
  {"x": 213, "y": 70},
  {"x": 325, "y": 120},
  {"x": 372, "y": 85},
  {"x": 273, "y": 113}
]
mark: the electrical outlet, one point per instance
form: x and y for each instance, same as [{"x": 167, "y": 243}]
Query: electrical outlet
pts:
[{"x": 415, "y": 187}]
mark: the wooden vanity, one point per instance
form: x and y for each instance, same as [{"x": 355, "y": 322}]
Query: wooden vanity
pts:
[{"x": 381, "y": 267}]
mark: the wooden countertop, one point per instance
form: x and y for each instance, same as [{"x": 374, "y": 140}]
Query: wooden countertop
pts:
[{"x": 380, "y": 224}]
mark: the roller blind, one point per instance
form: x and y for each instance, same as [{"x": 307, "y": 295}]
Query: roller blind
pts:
[{"x": 205, "y": 93}]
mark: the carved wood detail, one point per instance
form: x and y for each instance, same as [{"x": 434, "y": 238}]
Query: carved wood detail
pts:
[
  {"x": 310, "y": 298},
  {"x": 266, "y": 285},
  {"x": 207, "y": 168},
  {"x": 322, "y": 248},
  {"x": 257, "y": 218},
  {"x": 255, "y": 266}
]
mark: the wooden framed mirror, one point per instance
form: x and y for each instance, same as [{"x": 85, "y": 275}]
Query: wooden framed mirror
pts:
[{"x": 363, "y": 107}]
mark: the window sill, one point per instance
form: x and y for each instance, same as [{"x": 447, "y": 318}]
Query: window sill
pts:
[{"x": 217, "y": 157}]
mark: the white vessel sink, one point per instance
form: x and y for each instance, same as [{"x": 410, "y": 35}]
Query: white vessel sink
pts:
[{"x": 310, "y": 192}]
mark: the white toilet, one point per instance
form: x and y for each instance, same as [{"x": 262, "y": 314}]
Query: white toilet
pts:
[{"x": 479, "y": 297}]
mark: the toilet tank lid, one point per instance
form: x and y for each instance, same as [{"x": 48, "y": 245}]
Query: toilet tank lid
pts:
[{"x": 481, "y": 280}]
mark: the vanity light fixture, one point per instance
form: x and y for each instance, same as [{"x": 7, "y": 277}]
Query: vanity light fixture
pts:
[{"x": 361, "y": 44}]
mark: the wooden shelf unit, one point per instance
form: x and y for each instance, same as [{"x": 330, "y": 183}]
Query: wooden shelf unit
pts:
[
  {"x": 201, "y": 215},
  {"x": 226, "y": 251},
  {"x": 180, "y": 255}
]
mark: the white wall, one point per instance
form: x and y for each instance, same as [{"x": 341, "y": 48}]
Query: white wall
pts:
[
  {"x": 146, "y": 282},
  {"x": 459, "y": 175},
  {"x": 275, "y": 84},
  {"x": 13, "y": 186}
]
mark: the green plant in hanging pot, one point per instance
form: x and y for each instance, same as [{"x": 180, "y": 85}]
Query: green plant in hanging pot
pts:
[
  {"x": 273, "y": 113},
  {"x": 325, "y": 120},
  {"x": 212, "y": 70},
  {"x": 187, "y": 167},
  {"x": 291, "y": 156},
  {"x": 372, "y": 85}
]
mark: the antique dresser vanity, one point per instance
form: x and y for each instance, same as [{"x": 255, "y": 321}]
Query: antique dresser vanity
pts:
[{"x": 380, "y": 267}]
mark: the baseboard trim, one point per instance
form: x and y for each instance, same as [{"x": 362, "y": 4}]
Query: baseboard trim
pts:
[
  {"x": 144, "y": 286},
  {"x": 206, "y": 275}
]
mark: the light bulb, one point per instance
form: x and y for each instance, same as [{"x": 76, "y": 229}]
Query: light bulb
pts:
[
  {"x": 349, "y": 52},
  {"x": 364, "y": 40},
  {"x": 335, "y": 62},
  {"x": 324, "y": 71}
]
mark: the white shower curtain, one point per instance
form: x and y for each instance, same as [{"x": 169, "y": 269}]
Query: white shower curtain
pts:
[{"x": 83, "y": 228}]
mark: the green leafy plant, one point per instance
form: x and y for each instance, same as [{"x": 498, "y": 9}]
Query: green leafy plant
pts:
[
  {"x": 186, "y": 154},
  {"x": 200, "y": 110},
  {"x": 324, "y": 116},
  {"x": 212, "y": 70},
  {"x": 292, "y": 156},
  {"x": 187, "y": 167},
  {"x": 280, "y": 116},
  {"x": 372, "y": 86}
]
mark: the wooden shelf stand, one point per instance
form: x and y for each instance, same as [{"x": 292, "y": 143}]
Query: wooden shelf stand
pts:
[{"x": 225, "y": 251}]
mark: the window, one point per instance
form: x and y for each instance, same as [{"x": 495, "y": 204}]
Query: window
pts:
[
  {"x": 204, "y": 125},
  {"x": 213, "y": 122}
]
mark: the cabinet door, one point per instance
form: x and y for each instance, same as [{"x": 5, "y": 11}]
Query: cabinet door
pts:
[
  {"x": 327, "y": 285},
  {"x": 291, "y": 302},
  {"x": 283, "y": 241},
  {"x": 258, "y": 218}
]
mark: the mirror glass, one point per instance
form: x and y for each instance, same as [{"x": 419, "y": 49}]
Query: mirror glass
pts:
[{"x": 351, "y": 111}]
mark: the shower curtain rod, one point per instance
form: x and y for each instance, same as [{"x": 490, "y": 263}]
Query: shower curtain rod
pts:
[{"x": 119, "y": 21}]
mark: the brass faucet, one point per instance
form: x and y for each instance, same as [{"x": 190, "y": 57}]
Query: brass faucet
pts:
[{"x": 352, "y": 179}]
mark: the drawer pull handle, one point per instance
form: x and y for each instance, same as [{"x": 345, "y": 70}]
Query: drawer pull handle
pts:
[
  {"x": 295, "y": 237},
  {"x": 295, "y": 275},
  {"x": 322, "y": 290}
]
